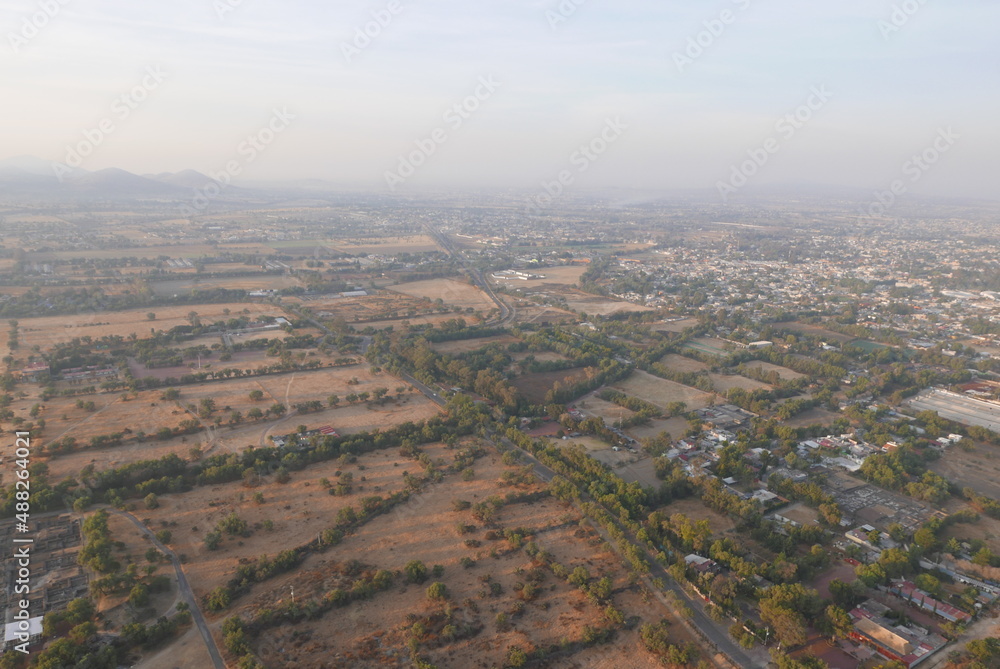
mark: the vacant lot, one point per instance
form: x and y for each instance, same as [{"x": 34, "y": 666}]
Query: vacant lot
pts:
[
  {"x": 723, "y": 383},
  {"x": 680, "y": 363},
  {"x": 535, "y": 386},
  {"x": 784, "y": 373},
  {"x": 812, "y": 417},
  {"x": 600, "y": 306},
  {"x": 451, "y": 292},
  {"x": 469, "y": 345},
  {"x": 662, "y": 392},
  {"x": 677, "y": 326},
  {"x": 979, "y": 470}
]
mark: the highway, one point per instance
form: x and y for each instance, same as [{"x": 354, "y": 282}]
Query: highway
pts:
[{"x": 507, "y": 313}]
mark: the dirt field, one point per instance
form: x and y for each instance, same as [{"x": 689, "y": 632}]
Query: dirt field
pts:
[
  {"x": 676, "y": 326},
  {"x": 800, "y": 513},
  {"x": 289, "y": 389},
  {"x": 599, "y": 306},
  {"x": 784, "y": 373},
  {"x": 531, "y": 313},
  {"x": 451, "y": 292},
  {"x": 609, "y": 411},
  {"x": 711, "y": 346},
  {"x": 662, "y": 392},
  {"x": 401, "y": 323},
  {"x": 387, "y": 245},
  {"x": 469, "y": 345},
  {"x": 50, "y": 330},
  {"x": 680, "y": 363},
  {"x": 535, "y": 386},
  {"x": 675, "y": 427},
  {"x": 979, "y": 470},
  {"x": 813, "y": 331},
  {"x": 723, "y": 383}
]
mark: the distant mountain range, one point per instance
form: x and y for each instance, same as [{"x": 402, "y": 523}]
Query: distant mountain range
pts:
[{"x": 40, "y": 179}]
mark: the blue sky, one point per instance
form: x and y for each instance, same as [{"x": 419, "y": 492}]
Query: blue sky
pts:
[{"x": 686, "y": 129}]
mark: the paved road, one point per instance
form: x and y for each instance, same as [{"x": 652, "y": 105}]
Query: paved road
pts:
[
  {"x": 507, "y": 313},
  {"x": 184, "y": 587},
  {"x": 699, "y": 619}
]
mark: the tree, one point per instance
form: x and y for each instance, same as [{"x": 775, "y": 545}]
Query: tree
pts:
[
  {"x": 437, "y": 590},
  {"x": 151, "y": 501},
  {"x": 836, "y": 622},
  {"x": 416, "y": 571},
  {"x": 278, "y": 409},
  {"x": 256, "y": 395}
]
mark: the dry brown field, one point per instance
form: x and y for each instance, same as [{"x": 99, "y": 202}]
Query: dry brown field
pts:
[
  {"x": 468, "y": 345},
  {"x": 979, "y": 470},
  {"x": 48, "y": 331},
  {"x": 662, "y": 392},
  {"x": 784, "y": 373},
  {"x": 451, "y": 292},
  {"x": 375, "y": 632},
  {"x": 723, "y": 383},
  {"x": 814, "y": 331},
  {"x": 387, "y": 245},
  {"x": 812, "y": 417},
  {"x": 185, "y": 286},
  {"x": 680, "y": 363},
  {"x": 677, "y": 326},
  {"x": 534, "y": 386}
]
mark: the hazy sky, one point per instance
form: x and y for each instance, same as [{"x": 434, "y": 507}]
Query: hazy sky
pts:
[{"x": 224, "y": 72}]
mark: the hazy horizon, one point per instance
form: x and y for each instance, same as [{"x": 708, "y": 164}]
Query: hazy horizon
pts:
[{"x": 545, "y": 81}]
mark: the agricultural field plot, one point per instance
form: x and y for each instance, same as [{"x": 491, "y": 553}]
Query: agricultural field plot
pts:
[
  {"x": 387, "y": 245},
  {"x": 48, "y": 331},
  {"x": 539, "y": 356},
  {"x": 599, "y": 306},
  {"x": 299, "y": 510},
  {"x": 675, "y": 427},
  {"x": 676, "y": 326},
  {"x": 528, "y": 312},
  {"x": 723, "y": 383},
  {"x": 401, "y": 323},
  {"x": 609, "y": 411},
  {"x": 784, "y": 373},
  {"x": 535, "y": 386},
  {"x": 176, "y": 251},
  {"x": 468, "y": 345},
  {"x": 680, "y": 363},
  {"x": 711, "y": 346},
  {"x": 662, "y": 392},
  {"x": 641, "y": 471},
  {"x": 380, "y": 305},
  {"x": 450, "y": 291},
  {"x": 380, "y": 627},
  {"x": 979, "y": 469},
  {"x": 812, "y": 417},
  {"x": 185, "y": 286},
  {"x": 814, "y": 331},
  {"x": 567, "y": 275},
  {"x": 289, "y": 389}
]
